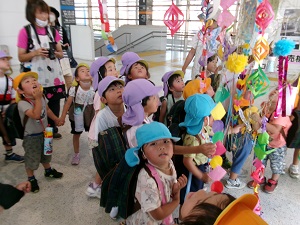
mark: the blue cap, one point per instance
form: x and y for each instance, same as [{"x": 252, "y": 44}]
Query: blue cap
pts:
[
  {"x": 146, "y": 134},
  {"x": 197, "y": 107}
]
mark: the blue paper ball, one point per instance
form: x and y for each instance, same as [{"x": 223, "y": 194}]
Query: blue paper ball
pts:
[{"x": 283, "y": 47}]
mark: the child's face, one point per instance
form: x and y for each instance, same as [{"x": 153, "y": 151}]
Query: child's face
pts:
[
  {"x": 194, "y": 198},
  {"x": 4, "y": 64},
  {"x": 177, "y": 85},
  {"x": 159, "y": 152},
  {"x": 41, "y": 15},
  {"x": 113, "y": 94},
  {"x": 83, "y": 74},
  {"x": 137, "y": 71},
  {"x": 28, "y": 85},
  {"x": 208, "y": 121},
  {"x": 212, "y": 65},
  {"x": 111, "y": 69},
  {"x": 152, "y": 105}
]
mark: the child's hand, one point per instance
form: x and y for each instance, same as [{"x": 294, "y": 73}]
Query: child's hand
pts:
[
  {"x": 181, "y": 182},
  {"x": 255, "y": 117},
  {"x": 24, "y": 186},
  {"x": 37, "y": 93},
  {"x": 205, "y": 178},
  {"x": 60, "y": 122},
  {"x": 236, "y": 129}
]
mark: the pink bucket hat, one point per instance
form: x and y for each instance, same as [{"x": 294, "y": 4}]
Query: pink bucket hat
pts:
[
  {"x": 128, "y": 59},
  {"x": 202, "y": 58},
  {"x": 134, "y": 92},
  {"x": 3, "y": 54},
  {"x": 167, "y": 76},
  {"x": 94, "y": 70}
]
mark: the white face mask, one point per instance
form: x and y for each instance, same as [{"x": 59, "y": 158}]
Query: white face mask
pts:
[
  {"x": 52, "y": 18},
  {"x": 41, "y": 23}
]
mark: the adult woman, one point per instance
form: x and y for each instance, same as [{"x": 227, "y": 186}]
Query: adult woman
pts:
[{"x": 39, "y": 51}]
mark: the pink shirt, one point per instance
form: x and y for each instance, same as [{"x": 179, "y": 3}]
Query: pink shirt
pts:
[
  {"x": 23, "y": 38},
  {"x": 277, "y": 140}
]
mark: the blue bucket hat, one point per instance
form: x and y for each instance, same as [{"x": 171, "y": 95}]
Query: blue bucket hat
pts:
[
  {"x": 197, "y": 107},
  {"x": 146, "y": 134}
]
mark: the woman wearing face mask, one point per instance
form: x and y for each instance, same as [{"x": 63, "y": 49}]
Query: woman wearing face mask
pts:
[
  {"x": 39, "y": 51},
  {"x": 65, "y": 43}
]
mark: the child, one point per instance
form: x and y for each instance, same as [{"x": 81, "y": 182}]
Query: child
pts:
[
  {"x": 110, "y": 91},
  {"x": 155, "y": 150},
  {"x": 34, "y": 106},
  {"x": 211, "y": 69},
  {"x": 173, "y": 89},
  {"x": 241, "y": 144},
  {"x": 80, "y": 101},
  {"x": 197, "y": 122},
  {"x": 219, "y": 209},
  {"x": 134, "y": 67},
  {"x": 141, "y": 98},
  {"x": 7, "y": 96},
  {"x": 100, "y": 68},
  {"x": 276, "y": 128}
]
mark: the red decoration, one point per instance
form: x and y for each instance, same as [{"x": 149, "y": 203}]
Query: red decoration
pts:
[
  {"x": 173, "y": 18},
  {"x": 264, "y": 15}
]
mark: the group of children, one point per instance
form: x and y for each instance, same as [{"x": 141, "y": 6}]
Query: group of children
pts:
[{"x": 130, "y": 103}]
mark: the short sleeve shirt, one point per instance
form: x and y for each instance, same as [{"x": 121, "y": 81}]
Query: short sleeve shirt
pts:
[
  {"x": 83, "y": 96},
  {"x": 191, "y": 140},
  {"x": 277, "y": 140},
  {"x": 33, "y": 126},
  {"x": 147, "y": 193}
]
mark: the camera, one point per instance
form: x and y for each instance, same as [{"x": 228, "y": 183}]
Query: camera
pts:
[{"x": 52, "y": 48}]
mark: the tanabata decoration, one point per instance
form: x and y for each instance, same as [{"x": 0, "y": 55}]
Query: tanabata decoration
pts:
[
  {"x": 261, "y": 49},
  {"x": 282, "y": 49},
  {"x": 225, "y": 19},
  {"x": 264, "y": 15},
  {"x": 218, "y": 112},
  {"x": 260, "y": 146},
  {"x": 225, "y": 50},
  {"x": 173, "y": 18},
  {"x": 217, "y": 186},
  {"x": 218, "y": 136},
  {"x": 258, "y": 83},
  {"x": 221, "y": 94},
  {"x": 109, "y": 41},
  {"x": 236, "y": 63},
  {"x": 247, "y": 20},
  {"x": 218, "y": 125}
]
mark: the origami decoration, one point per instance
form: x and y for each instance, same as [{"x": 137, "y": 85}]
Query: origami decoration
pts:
[
  {"x": 109, "y": 41},
  {"x": 261, "y": 49},
  {"x": 173, "y": 18},
  {"x": 258, "y": 83},
  {"x": 264, "y": 15},
  {"x": 236, "y": 63}
]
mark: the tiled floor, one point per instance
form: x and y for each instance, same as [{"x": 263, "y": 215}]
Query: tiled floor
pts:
[{"x": 63, "y": 202}]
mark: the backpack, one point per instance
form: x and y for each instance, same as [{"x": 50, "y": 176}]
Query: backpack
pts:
[
  {"x": 12, "y": 122},
  {"x": 110, "y": 150},
  {"x": 119, "y": 186},
  {"x": 30, "y": 44},
  {"x": 175, "y": 116}
]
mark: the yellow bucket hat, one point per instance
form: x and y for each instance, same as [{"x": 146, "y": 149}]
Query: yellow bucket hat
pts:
[
  {"x": 196, "y": 86},
  {"x": 241, "y": 211},
  {"x": 21, "y": 76}
]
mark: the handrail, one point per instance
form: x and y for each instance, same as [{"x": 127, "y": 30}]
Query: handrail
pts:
[
  {"x": 139, "y": 41},
  {"x": 134, "y": 43}
]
